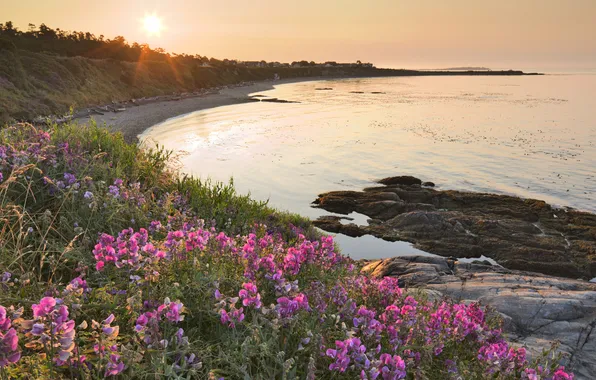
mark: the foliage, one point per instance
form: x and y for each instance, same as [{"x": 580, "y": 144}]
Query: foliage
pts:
[{"x": 115, "y": 266}]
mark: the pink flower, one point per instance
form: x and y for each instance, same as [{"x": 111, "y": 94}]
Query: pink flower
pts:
[
  {"x": 4, "y": 322},
  {"x": 249, "y": 295},
  {"x": 173, "y": 312},
  {"x": 560, "y": 374},
  {"x": 45, "y": 306},
  {"x": 99, "y": 266}
]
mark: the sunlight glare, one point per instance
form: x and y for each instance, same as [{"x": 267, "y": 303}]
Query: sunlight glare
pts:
[{"x": 152, "y": 24}]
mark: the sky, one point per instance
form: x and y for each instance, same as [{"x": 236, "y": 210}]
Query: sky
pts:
[{"x": 389, "y": 33}]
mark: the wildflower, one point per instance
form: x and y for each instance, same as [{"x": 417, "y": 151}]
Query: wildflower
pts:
[
  {"x": 114, "y": 366},
  {"x": 287, "y": 307},
  {"x": 88, "y": 195},
  {"x": 560, "y": 374},
  {"x": 99, "y": 265},
  {"x": 9, "y": 341},
  {"x": 45, "y": 306},
  {"x": 392, "y": 367},
  {"x": 51, "y": 320},
  {"x": 69, "y": 178},
  {"x": 173, "y": 311},
  {"x": 249, "y": 295},
  {"x": 114, "y": 191}
]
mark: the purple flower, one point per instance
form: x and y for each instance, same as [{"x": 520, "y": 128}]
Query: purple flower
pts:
[
  {"x": 69, "y": 178},
  {"x": 115, "y": 365},
  {"x": 114, "y": 191},
  {"x": 9, "y": 345},
  {"x": 392, "y": 367},
  {"x": 38, "y": 329}
]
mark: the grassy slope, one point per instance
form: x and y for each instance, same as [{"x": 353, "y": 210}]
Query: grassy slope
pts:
[{"x": 33, "y": 84}]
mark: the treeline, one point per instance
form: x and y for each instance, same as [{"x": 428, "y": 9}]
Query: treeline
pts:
[{"x": 44, "y": 39}]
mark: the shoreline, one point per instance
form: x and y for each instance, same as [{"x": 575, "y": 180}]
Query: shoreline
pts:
[{"x": 134, "y": 120}]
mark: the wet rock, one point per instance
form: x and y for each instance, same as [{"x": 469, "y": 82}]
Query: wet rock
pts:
[
  {"x": 401, "y": 180},
  {"x": 522, "y": 234},
  {"x": 428, "y": 184},
  {"x": 275, "y": 100},
  {"x": 332, "y": 223},
  {"x": 537, "y": 310}
]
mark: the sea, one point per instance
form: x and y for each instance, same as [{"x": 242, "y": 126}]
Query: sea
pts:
[{"x": 528, "y": 136}]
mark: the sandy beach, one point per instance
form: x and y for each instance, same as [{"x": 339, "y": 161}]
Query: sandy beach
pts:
[{"x": 136, "y": 119}]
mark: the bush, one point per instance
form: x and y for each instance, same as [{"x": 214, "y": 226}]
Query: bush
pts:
[{"x": 7, "y": 45}]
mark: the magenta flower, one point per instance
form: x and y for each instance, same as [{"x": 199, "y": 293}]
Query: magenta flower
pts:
[
  {"x": 5, "y": 323},
  {"x": 173, "y": 313},
  {"x": 249, "y": 295},
  {"x": 45, "y": 306},
  {"x": 392, "y": 367},
  {"x": 560, "y": 374}
]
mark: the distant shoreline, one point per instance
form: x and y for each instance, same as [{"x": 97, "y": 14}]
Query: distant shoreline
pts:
[{"x": 132, "y": 118}]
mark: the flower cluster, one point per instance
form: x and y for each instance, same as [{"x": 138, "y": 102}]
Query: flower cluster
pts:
[
  {"x": 106, "y": 348},
  {"x": 53, "y": 327},
  {"x": 9, "y": 341},
  {"x": 149, "y": 324}
]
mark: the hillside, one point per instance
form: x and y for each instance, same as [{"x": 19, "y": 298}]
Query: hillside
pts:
[
  {"x": 40, "y": 84},
  {"x": 33, "y": 84}
]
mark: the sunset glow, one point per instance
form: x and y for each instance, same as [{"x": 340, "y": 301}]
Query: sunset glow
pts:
[{"x": 152, "y": 25}]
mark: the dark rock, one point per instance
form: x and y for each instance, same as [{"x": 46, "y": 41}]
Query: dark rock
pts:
[
  {"x": 275, "y": 100},
  {"x": 333, "y": 224},
  {"x": 324, "y": 89},
  {"x": 401, "y": 180},
  {"x": 428, "y": 184},
  {"x": 523, "y": 234},
  {"x": 537, "y": 310}
]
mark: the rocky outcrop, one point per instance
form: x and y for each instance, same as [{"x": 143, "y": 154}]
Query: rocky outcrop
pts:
[
  {"x": 524, "y": 234},
  {"x": 537, "y": 310}
]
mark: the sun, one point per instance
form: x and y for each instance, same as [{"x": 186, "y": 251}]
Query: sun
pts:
[{"x": 152, "y": 24}]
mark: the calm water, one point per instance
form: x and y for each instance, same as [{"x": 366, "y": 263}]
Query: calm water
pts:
[{"x": 526, "y": 136}]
